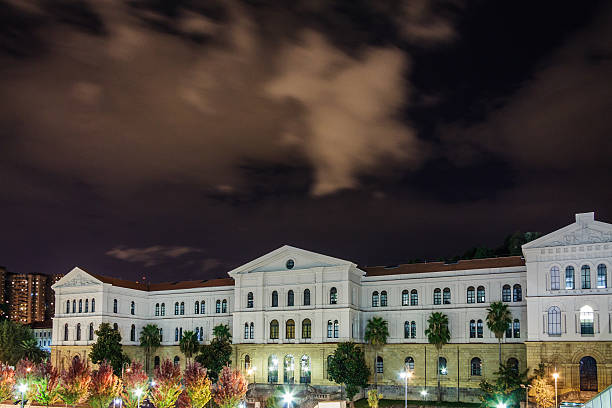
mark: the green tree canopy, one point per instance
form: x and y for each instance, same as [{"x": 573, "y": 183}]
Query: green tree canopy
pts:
[
  {"x": 376, "y": 333},
  {"x": 498, "y": 319},
  {"x": 347, "y": 366},
  {"x": 189, "y": 344},
  {"x": 222, "y": 331},
  {"x": 108, "y": 347},
  {"x": 15, "y": 342},
  {"x": 217, "y": 354},
  {"x": 438, "y": 334},
  {"x": 150, "y": 340},
  {"x": 506, "y": 389}
]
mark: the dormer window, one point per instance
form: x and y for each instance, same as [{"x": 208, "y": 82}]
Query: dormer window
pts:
[{"x": 290, "y": 264}]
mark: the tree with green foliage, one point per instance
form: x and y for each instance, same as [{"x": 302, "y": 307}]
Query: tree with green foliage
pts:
[
  {"x": 197, "y": 385},
  {"x": 168, "y": 386},
  {"x": 217, "y": 354},
  {"x": 105, "y": 386},
  {"x": 506, "y": 389},
  {"x": 31, "y": 351},
  {"x": 498, "y": 319},
  {"x": 12, "y": 338},
  {"x": 438, "y": 334},
  {"x": 189, "y": 344},
  {"x": 373, "y": 398},
  {"x": 347, "y": 367},
  {"x": 46, "y": 384},
  {"x": 108, "y": 348},
  {"x": 7, "y": 381},
  {"x": 376, "y": 334},
  {"x": 150, "y": 340},
  {"x": 74, "y": 382}
]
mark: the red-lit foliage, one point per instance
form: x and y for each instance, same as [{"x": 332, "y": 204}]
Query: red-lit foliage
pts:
[
  {"x": 104, "y": 386},
  {"x": 74, "y": 382},
  {"x": 230, "y": 389},
  {"x": 24, "y": 374},
  {"x": 7, "y": 381},
  {"x": 134, "y": 378},
  {"x": 168, "y": 386},
  {"x": 198, "y": 386},
  {"x": 46, "y": 384}
]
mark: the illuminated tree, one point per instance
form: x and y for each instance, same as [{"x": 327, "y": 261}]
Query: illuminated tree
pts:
[
  {"x": 134, "y": 378},
  {"x": 104, "y": 386},
  {"x": 543, "y": 392},
  {"x": 231, "y": 388},
  {"x": 168, "y": 386},
  {"x": 7, "y": 382},
  {"x": 74, "y": 382},
  {"x": 46, "y": 384},
  {"x": 24, "y": 374},
  {"x": 373, "y": 398},
  {"x": 197, "y": 385}
]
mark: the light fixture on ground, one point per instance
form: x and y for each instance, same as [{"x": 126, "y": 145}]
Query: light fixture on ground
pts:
[
  {"x": 138, "y": 393},
  {"x": 405, "y": 375},
  {"x": 116, "y": 401},
  {"x": 501, "y": 405},
  {"x": 556, "y": 377},
  {"x": 22, "y": 388},
  {"x": 288, "y": 399}
]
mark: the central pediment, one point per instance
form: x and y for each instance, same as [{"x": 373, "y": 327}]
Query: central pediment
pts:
[
  {"x": 584, "y": 231},
  {"x": 76, "y": 278},
  {"x": 288, "y": 258}
]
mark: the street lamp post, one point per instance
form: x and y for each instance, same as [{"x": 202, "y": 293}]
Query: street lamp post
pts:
[
  {"x": 405, "y": 375},
  {"x": 556, "y": 377},
  {"x": 138, "y": 393},
  {"x": 22, "y": 389}
]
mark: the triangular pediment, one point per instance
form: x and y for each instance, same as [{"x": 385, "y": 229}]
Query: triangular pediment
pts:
[
  {"x": 278, "y": 259},
  {"x": 584, "y": 231},
  {"x": 77, "y": 277}
]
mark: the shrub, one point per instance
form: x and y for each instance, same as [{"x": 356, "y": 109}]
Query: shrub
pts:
[
  {"x": 7, "y": 382},
  {"x": 197, "y": 385},
  {"x": 373, "y": 398},
  {"x": 104, "y": 386},
  {"x": 230, "y": 388},
  {"x": 168, "y": 386},
  {"x": 134, "y": 378},
  {"x": 74, "y": 382},
  {"x": 24, "y": 374},
  {"x": 46, "y": 384}
]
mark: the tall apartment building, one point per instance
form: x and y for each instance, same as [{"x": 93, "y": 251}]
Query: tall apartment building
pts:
[
  {"x": 3, "y": 299},
  {"x": 28, "y": 297},
  {"x": 50, "y": 295}
]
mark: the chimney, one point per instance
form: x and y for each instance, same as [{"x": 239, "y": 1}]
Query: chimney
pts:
[{"x": 585, "y": 218}]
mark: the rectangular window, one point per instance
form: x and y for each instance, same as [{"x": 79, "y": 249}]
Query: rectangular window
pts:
[
  {"x": 437, "y": 297},
  {"x": 586, "y": 277},
  {"x": 569, "y": 277},
  {"x": 517, "y": 329}
]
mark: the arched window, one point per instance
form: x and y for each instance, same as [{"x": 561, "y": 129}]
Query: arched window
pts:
[
  {"x": 517, "y": 293},
  {"x": 555, "y": 278},
  {"x": 588, "y": 374},
  {"x": 290, "y": 298},
  {"x": 305, "y": 370},
  {"x": 586, "y": 320},
  {"x": 250, "y": 300},
  {"x": 115, "y": 306},
  {"x": 80, "y": 305},
  {"x": 509, "y": 331},
  {"x": 182, "y": 308},
  {"x": 133, "y": 333},
  {"x": 203, "y": 307},
  {"x": 93, "y": 305},
  {"x": 516, "y": 328},
  {"x": 414, "y": 297},
  {"x": 479, "y": 328},
  {"x": 437, "y": 296},
  {"x": 472, "y": 329},
  {"x": 289, "y": 369},
  {"x": 330, "y": 329},
  {"x": 602, "y": 276},
  {"x": 247, "y": 362},
  {"x": 163, "y": 309},
  {"x": 66, "y": 332},
  {"x": 442, "y": 367},
  {"x": 306, "y": 329},
  {"x": 471, "y": 295},
  {"x": 585, "y": 273},
  {"x": 476, "y": 366},
  {"x": 554, "y": 321},
  {"x": 67, "y": 306},
  {"x": 513, "y": 364},
  {"x": 329, "y": 359},
  {"x": 446, "y": 296},
  {"x": 274, "y": 299},
  {"x": 272, "y": 369},
  {"x": 274, "y": 329},
  {"x": 74, "y": 306},
  {"x": 333, "y": 296},
  {"x": 409, "y": 363},
  {"x": 196, "y": 307},
  {"x": 224, "y": 306},
  {"x": 176, "y": 308},
  {"x": 252, "y": 331},
  {"x": 506, "y": 293},
  {"x": 156, "y": 362},
  {"x": 383, "y": 298},
  {"x": 380, "y": 365},
  {"x": 218, "y": 306},
  {"x": 306, "y": 297},
  {"x": 413, "y": 329},
  {"x": 336, "y": 329},
  {"x": 569, "y": 277},
  {"x": 405, "y": 297},
  {"x": 480, "y": 294},
  {"x": 132, "y": 308},
  {"x": 177, "y": 360},
  {"x": 86, "y": 305},
  {"x": 91, "y": 331},
  {"x": 406, "y": 330},
  {"x": 157, "y": 309},
  {"x": 246, "y": 330},
  {"x": 197, "y": 333},
  {"x": 176, "y": 334},
  {"x": 375, "y": 299},
  {"x": 78, "y": 331},
  {"x": 290, "y": 329}
]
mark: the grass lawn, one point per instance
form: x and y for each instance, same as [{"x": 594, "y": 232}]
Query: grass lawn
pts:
[{"x": 386, "y": 403}]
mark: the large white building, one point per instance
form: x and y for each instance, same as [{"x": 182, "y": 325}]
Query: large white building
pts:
[{"x": 288, "y": 309}]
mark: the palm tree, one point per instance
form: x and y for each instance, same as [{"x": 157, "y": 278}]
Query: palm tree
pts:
[
  {"x": 31, "y": 351},
  {"x": 221, "y": 331},
  {"x": 498, "y": 319},
  {"x": 376, "y": 333},
  {"x": 150, "y": 340},
  {"x": 189, "y": 344},
  {"x": 438, "y": 334}
]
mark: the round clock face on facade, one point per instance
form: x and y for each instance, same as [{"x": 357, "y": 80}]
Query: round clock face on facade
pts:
[{"x": 290, "y": 264}]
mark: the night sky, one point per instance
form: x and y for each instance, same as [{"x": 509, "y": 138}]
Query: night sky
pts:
[{"x": 178, "y": 139}]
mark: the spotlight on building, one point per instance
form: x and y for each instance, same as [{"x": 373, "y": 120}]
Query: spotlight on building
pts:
[
  {"x": 424, "y": 393},
  {"x": 288, "y": 398}
]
